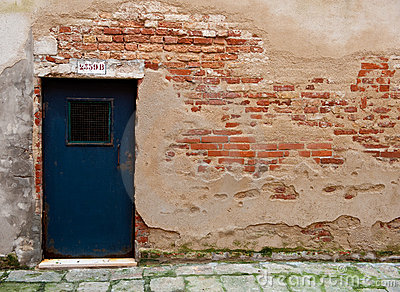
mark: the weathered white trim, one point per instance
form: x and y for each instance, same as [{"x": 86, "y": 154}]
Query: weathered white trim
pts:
[
  {"x": 115, "y": 69},
  {"x": 55, "y": 264}
]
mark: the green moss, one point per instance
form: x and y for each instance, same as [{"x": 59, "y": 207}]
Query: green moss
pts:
[{"x": 10, "y": 262}]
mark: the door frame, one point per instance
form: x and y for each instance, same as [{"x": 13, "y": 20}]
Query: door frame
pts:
[{"x": 37, "y": 149}]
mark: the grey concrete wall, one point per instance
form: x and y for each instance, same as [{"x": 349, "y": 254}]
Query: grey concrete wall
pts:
[{"x": 19, "y": 226}]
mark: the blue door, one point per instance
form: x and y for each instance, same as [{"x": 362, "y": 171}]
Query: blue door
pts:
[{"x": 88, "y": 165}]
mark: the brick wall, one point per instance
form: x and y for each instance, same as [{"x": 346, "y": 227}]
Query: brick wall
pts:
[{"x": 197, "y": 54}]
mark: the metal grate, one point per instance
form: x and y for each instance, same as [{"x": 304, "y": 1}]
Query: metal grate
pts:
[{"x": 89, "y": 121}]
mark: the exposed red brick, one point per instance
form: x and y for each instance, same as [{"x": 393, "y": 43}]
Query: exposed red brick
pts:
[
  {"x": 204, "y": 146},
  {"x": 332, "y": 160},
  {"x": 344, "y": 132},
  {"x": 263, "y": 154},
  {"x": 243, "y": 139},
  {"x": 218, "y": 153},
  {"x": 64, "y": 29},
  {"x": 214, "y": 139},
  {"x": 290, "y": 146},
  {"x": 242, "y": 153},
  {"x": 198, "y": 132},
  {"x": 374, "y": 66},
  {"x": 321, "y": 153},
  {"x": 227, "y": 132},
  {"x": 112, "y": 30},
  {"x": 237, "y": 146},
  {"x": 304, "y": 153}
]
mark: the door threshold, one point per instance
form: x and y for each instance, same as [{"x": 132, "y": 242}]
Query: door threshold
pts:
[{"x": 55, "y": 264}]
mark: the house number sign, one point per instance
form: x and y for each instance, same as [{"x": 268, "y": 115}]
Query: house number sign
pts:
[{"x": 92, "y": 67}]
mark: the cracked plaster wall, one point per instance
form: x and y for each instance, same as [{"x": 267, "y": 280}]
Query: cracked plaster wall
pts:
[
  {"x": 19, "y": 226},
  {"x": 300, "y": 40}
]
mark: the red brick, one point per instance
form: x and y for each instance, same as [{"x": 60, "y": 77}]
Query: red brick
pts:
[
  {"x": 64, "y": 29},
  {"x": 369, "y": 66},
  {"x": 118, "y": 38},
  {"x": 321, "y": 153},
  {"x": 214, "y": 139},
  {"x": 87, "y": 47},
  {"x": 344, "y": 132},
  {"x": 212, "y": 65},
  {"x": 203, "y": 41},
  {"x": 274, "y": 167},
  {"x": 204, "y": 146},
  {"x": 249, "y": 168},
  {"x": 386, "y": 124},
  {"x": 318, "y": 80},
  {"x": 263, "y": 154},
  {"x": 180, "y": 71},
  {"x": 156, "y": 39},
  {"x": 231, "y": 125},
  {"x": 387, "y": 73},
  {"x": 137, "y": 38},
  {"x": 289, "y": 146},
  {"x": 232, "y": 80},
  {"x": 311, "y": 110},
  {"x": 350, "y": 109},
  {"x": 243, "y": 139},
  {"x": 304, "y": 153},
  {"x": 264, "y": 146},
  {"x": 185, "y": 40},
  {"x": 230, "y": 41},
  {"x": 332, "y": 161},
  {"x": 283, "y": 196},
  {"x": 188, "y": 140},
  {"x": 230, "y": 160},
  {"x": 148, "y": 31},
  {"x": 368, "y": 131},
  {"x": 151, "y": 65},
  {"x": 218, "y": 153},
  {"x": 131, "y": 30},
  {"x": 387, "y": 154},
  {"x": 150, "y": 47},
  {"x": 170, "y": 40},
  {"x": 384, "y": 88},
  {"x": 298, "y": 117},
  {"x": 198, "y": 132},
  {"x": 283, "y": 87},
  {"x": 242, "y": 153},
  {"x": 382, "y": 110},
  {"x": 112, "y": 30},
  {"x": 256, "y": 109},
  {"x": 363, "y": 73},
  {"x": 227, "y": 132},
  {"x": 237, "y": 146},
  {"x": 319, "y": 146}
]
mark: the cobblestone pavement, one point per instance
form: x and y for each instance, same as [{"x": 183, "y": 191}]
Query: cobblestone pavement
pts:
[{"x": 257, "y": 276}]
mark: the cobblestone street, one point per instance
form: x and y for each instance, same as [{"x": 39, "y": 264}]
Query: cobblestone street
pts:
[{"x": 257, "y": 276}]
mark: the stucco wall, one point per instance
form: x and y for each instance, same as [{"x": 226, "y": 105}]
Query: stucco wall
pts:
[
  {"x": 259, "y": 123},
  {"x": 19, "y": 226}
]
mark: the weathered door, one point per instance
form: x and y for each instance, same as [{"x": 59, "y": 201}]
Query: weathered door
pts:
[{"x": 88, "y": 164}]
